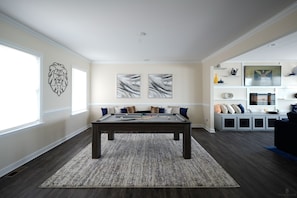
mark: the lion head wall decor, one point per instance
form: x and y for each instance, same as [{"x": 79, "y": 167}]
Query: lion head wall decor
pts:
[{"x": 57, "y": 78}]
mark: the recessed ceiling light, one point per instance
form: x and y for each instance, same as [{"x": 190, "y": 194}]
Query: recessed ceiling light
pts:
[
  {"x": 272, "y": 45},
  {"x": 142, "y": 33}
]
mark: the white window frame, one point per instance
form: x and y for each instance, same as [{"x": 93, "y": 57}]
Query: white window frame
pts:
[
  {"x": 74, "y": 89},
  {"x": 20, "y": 127}
]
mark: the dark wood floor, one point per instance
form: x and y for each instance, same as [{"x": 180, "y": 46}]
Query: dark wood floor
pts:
[{"x": 260, "y": 173}]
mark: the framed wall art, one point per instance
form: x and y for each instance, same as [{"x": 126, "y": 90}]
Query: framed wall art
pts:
[
  {"x": 262, "y": 75},
  {"x": 128, "y": 85},
  {"x": 160, "y": 85}
]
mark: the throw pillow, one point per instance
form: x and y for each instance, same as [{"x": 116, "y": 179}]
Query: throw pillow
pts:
[
  {"x": 217, "y": 108},
  {"x": 183, "y": 112},
  {"x": 168, "y": 110},
  {"x": 292, "y": 116},
  {"x": 124, "y": 110},
  {"x": 224, "y": 108},
  {"x": 294, "y": 108},
  {"x": 230, "y": 109},
  {"x": 175, "y": 109},
  {"x": 236, "y": 108},
  {"x": 161, "y": 110},
  {"x": 104, "y": 111},
  {"x": 241, "y": 108},
  {"x": 154, "y": 109},
  {"x": 131, "y": 109}
]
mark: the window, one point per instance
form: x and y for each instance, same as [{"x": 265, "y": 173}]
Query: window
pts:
[
  {"x": 20, "y": 89},
  {"x": 79, "y": 91}
]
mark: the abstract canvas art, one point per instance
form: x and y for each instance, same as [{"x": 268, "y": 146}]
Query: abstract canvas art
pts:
[
  {"x": 128, "y": 85},
  {"x": 160, "y": 86}
]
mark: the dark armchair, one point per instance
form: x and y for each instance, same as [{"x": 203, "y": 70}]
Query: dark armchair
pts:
[{"x": 285, "y": 134}]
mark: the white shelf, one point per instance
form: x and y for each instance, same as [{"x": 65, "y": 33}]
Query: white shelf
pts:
[{"x": 231, "y": 99}]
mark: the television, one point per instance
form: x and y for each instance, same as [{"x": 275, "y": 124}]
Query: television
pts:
[{"x": 265, "y": 75}]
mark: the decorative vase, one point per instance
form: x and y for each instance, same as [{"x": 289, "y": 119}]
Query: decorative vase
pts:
[{"x": 216, "y": 79}]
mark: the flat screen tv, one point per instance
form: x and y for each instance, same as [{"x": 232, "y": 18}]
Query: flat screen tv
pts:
[{"x": 262, "y": 75}]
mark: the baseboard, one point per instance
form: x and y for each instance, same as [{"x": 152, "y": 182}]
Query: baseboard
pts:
[
  {"x": 39, "y": 152},
  {"x": 210, "y": 130}
]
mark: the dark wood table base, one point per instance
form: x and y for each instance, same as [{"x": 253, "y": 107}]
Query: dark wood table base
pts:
[{"x": 157, "y": 127}]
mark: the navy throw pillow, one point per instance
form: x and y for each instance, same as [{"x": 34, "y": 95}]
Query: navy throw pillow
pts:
[
  {"x": 294, "y": 108},
  {"x": 124, "y": 110},
  {"x": 241, "y": 108},
  {"x": 183, "y": 112},
  {"x": 161, "y": 110},
  {"x": 104, "y": 111}
]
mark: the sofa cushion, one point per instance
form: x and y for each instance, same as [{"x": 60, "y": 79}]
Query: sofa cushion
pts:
[{"x": 292, "y": 116}]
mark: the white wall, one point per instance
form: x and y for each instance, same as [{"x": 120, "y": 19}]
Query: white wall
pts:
[
  {"x": 58, "y": 124},
  {"x": 187, "y": 87}
]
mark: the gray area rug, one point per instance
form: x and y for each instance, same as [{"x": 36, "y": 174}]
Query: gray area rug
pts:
[{"x": 141, "y": 161}]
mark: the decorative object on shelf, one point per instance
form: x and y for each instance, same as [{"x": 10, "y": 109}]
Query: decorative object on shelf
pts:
[
  {"x": 272, "y": 112},
  {"x": 57, "y": 78},
  {"x": 216, "y": 79},
  {"x": 221, "y": 81},
  {"x": 227, "y": 95},
  {"x": 234, "y": 71},
  {"x": 294, "y": 72}
]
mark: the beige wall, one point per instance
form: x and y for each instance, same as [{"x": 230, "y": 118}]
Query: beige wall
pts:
[
  {"x": 187, "y": 87},
  {"x": 58, "y": 124}
]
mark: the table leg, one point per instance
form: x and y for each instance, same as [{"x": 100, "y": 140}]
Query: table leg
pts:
[
  {"x": 187, "y": 133},
  {"x": 110, "y": 135},
  {"x": 176, "y": 136},
  {"x": 96, "y": 142}
]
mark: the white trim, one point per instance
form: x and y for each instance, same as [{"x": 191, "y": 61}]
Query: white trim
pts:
[
  {"x": 158, "y": 104},
  {"x": 20, "y": 129},
  {"x": 144, "y": 62},
  {"x": 57, "y": 110},
  {"x": 210, "y": 130},
  {"x": 39, "y": 152}
]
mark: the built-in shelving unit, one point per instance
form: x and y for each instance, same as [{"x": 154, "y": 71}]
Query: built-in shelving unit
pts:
[{"x": 281, "y": 98}]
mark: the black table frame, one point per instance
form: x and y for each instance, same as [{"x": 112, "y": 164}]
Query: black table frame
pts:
[{"x": 112, "y": 127}]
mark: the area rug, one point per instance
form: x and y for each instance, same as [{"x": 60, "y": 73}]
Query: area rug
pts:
[
  {"x": 282, "y": 153},
  {"x": 141, "y": 160}
]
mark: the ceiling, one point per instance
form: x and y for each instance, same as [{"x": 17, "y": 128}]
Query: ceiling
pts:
[
  {"x": 283, "y": 49},
  {"x": 143, "y": 30}
]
